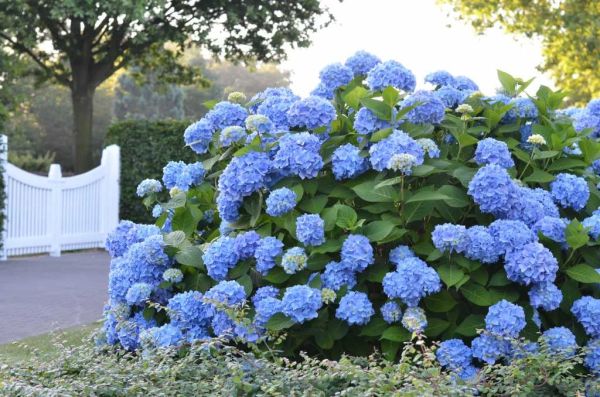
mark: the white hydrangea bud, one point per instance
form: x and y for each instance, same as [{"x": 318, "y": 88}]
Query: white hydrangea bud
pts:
[
  {"x": 536, "y": 139},
  {"x": 236, "y": 97}
]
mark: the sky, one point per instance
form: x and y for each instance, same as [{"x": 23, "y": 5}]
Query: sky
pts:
[{"x": 420, "y": 35}]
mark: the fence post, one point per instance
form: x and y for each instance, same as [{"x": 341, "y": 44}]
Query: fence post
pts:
[
  {"x": 111, "y": 161},
  {"x": 55, "y": 209},
  {"x": 3, "y": 162}
]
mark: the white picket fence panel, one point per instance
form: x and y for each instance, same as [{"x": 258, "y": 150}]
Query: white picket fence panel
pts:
[{"x": 55, "y": 213}]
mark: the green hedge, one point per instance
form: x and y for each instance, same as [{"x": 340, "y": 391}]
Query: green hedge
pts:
[{"x": 146, "y": 146}]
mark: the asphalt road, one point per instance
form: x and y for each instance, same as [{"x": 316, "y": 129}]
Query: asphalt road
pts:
[{"x": 42, "y": 294}]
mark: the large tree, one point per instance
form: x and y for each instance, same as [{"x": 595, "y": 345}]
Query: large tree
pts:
[
  {"x": 80, "y": 44},
  {"x": 569, "y": 31}
]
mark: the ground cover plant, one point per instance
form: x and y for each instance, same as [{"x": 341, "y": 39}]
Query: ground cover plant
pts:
[{"x": 347, "y": 221}]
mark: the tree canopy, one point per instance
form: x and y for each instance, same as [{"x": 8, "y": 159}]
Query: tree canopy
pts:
[
  {"x": 80, "y": 44},
  {"x": 569, "y": 31}
]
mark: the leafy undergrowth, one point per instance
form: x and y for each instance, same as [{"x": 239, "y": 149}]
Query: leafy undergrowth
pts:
[{"x": 215, "y": 369}]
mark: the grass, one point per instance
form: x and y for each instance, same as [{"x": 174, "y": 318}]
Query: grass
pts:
[{"x": 45, "y": 346}]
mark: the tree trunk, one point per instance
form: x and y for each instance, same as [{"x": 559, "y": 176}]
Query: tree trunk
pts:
[{"x": 83, "y": 110}]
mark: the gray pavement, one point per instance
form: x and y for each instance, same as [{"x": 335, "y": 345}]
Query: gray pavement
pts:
[{"x": 42, "y": 294}]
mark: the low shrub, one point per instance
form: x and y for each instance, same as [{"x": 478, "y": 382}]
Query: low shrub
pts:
[
  {"x": 368, "y": 212},
  {"x": 214, "y": 369},
  {"x": 146, "y": 146}
]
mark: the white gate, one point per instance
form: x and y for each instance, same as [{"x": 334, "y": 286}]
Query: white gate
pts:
[{"x": 53, "y": 214}]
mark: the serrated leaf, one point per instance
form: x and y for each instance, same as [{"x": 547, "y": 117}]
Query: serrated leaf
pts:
[
  {"x": 378, "y": 230},
  {"x": 450, "y": 274},
  {"x": 279, "y": 322},
  {"x": 396, "y": 333},
  {"x": 476, "y": 294},
  {"x": 435, "y": 326},
  {"x": 584, "y": 274},
  {"x": 174, "y": 239},
  {"x": 470, "y": 325},
  {"x": 190, "y": 256}
]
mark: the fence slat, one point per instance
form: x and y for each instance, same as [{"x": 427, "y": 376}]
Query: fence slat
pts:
[{"x": 55, "y": 213}]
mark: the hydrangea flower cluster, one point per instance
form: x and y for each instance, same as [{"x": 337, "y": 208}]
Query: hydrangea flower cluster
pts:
[
  {"x": 397, "y": 143},
  {"x": 412, "y": 281},
  {"x": 391, "y": 73},
  {"x": 177, "y": 174}
]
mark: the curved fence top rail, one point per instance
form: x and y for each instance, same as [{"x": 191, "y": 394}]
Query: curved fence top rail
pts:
[{"x": 27, "y": 177}]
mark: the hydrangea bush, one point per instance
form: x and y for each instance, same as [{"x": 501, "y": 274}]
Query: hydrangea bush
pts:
[{"x": 372, "y": 209}]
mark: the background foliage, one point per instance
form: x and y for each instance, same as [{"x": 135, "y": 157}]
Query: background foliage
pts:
[{"x": 569, "y": 31}]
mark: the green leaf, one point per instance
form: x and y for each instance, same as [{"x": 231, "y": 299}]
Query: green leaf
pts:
[
  {"x": 509, "y": 84},
  {"x": 368, "y": 192},
  {"x": 175, "y": 202},
  {"x": 279, "y": 322},
  {"x": 337, "y": 328},
  {"x": 470, "y": 325},
  {"x": 378, "y": 230},
  {"x": 390, "y": 349},
  {"x": 435, "y": 326},
  {"x": 477, "y": 294},
  {"x": 375, "y": 327},
  {"x": 584, "y": 274},
  {"x": 174, "y": 239},
  {"x": 381, "y": 134},
  {"x": 457, "y": 197},
  {"x": 313, "y": 205},
  {"x": 442, "y": 302},
  {"x": 190, "y": 256},
  {"x": 450, "y": 274},
  {"x": 577, "y": 235},
  {"x": 539, "y": 176},
  {"x": 499, "y": 279},
  {"x": 329, "y": 216},
  {"x": 396, "y": 334},
  {"x": 391, "y": 95},
  {"x": 426, "y": 194},
  {"x": 277, "y": 276},
  {"x": 380, "y": 109},
  {"x": 246, "y": 282},
  {"x": 324, "y": 340},
  {"x": 346, "y": 217},
  {"x": 541, "y": 155},
  {"x": 353, "y": 97}
]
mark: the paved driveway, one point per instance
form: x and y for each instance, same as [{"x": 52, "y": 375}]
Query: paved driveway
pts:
[{"x": 42, "y": 294}]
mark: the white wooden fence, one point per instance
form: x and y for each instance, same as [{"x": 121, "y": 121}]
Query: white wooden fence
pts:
[{"x": 55, "y": 213}]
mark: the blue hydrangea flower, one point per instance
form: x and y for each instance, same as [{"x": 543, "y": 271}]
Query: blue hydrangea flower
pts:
[
  {"x": 312, "y": 113},
  {"x": 138, "y": 293},
  {"x": 492, "y": 151},
  {"x": 492, "y": 189},
  {"x": 570, "y": 191},
  {"x": 198, "y": 135},
  {"x": 188, "y": 309},
  {"x": 585, "y": 120},
  {"x": 355, "y": 308},
  {"x": 173, "y": 275},
  {"x": 229, "y": 209},
  {"x": 524, "y": 108},
  {"x": 440, "y": 78},
  {"x": 182, "y": 176},
  {"x": 531, "y": 264},
  {"x": 125, "y": 235},
  {"x": 465, "y": 84},
  {"x": 593, "y": 223},
  {"x": 414, "y": 319},
  {"x": 391, "y": 73},
  {"x": 592, "y": 356},
  {"x": 511, "y": 235},
  {"x": 265, "y": 292},
  {"x": 301, "y": 303},
  {"x": 266, "y": 308},
  {"x": 225, "y": 114},
  {"x": 347, "y": 163},
  {"x": 391, "y": 312},
  {"x": 271, "y": 92},
  {"x": 231, "y": 135},
  {"x": 449, "y": 237},
  {"x": 310, "y": 229},
  {"x": 276, "y": 108},
  {"x": 267, "y": 250},
  {"x": 596, "y": 167},
  {"x": 281, "y": 201},
  {"x": 401, "y": 252},
  {"x": 454, "y": 354},
  {"x": 450, "y": 96},
  {"x": 230, "y": 293},
  {"x": 402, "y": 163},
  {"x": 335, "y": 76},
  {"x": 429, "y": 147},
  {"x": 429, "y": 109},
  {"x": 219, "y": 257},
  {"x": 552, "y": 228},
  {"x": 298, "y": 154},
  {"x": 480, "y": 245},
  {"x": 560, "y": 341},
  {"x": 412, "y": 281},
  {"x": 322, "y": 91},
  {"x": 587, "y": 312},
  {"x": 336, "y": 275},
  {"x": 357, "y": 253},
  {"x": 545, "y": 296},
  {"x": 294, "y": 260},
  {"x": 366, "y": 122},
  {"x": 489, "y": 348},
  {"x": 164, "y": 336},
  {"x": 593, "y": 107},
  {"x": 505, "y": 319},
  {"x": 245, "y": 244},
  {"x": 148, "y": 186},
  {"x": 397, "y": 143},
  {"x": 157, "y": 211},
  {"x": 361, "y": 62},
  {"x": 244, "y": 174}
]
